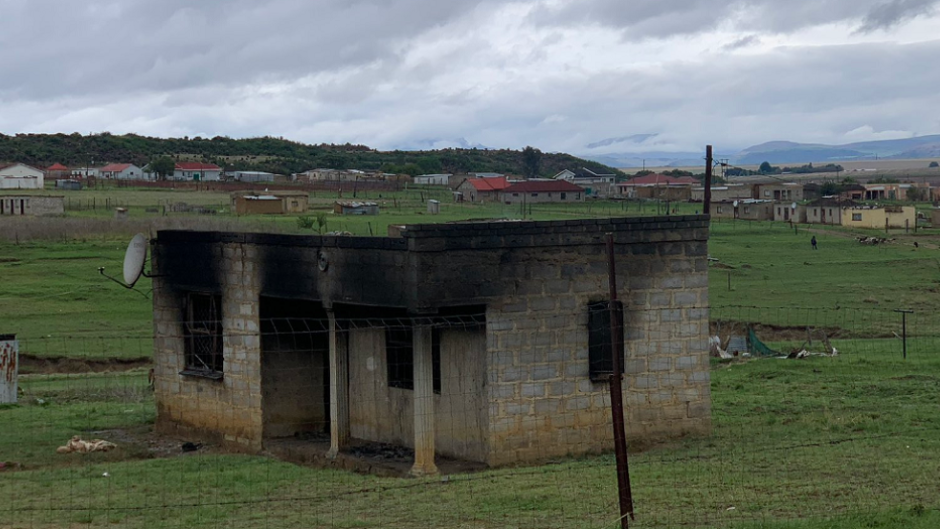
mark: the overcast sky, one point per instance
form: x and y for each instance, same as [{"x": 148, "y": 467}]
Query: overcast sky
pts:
[{"x": 556, "y": 74}]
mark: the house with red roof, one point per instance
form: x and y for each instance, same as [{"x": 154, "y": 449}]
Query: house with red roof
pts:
[
  {"x": 659, "y": 186},
  {"x": 197, "y": 171},
  {"x": 482, "y": 189},
  {"x": 57, "y": 171},
  {"x": 121, "y": 171},
  {"x": 529, "y": 191}
]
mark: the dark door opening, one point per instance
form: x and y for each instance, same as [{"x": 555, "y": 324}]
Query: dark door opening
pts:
[{"x": 295, "y": 368}]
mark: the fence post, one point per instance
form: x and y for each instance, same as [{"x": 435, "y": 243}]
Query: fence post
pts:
[{"x": 904, "y": 313}]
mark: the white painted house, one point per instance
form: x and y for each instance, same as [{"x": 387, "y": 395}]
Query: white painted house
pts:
[
  {"x": 21, "y": 176},
  {"x": 197, "y": 171},
  {"x": 433, "y": 179},
  {"x": 594, "y": 184},
  {"x": 122, "y": 171}
]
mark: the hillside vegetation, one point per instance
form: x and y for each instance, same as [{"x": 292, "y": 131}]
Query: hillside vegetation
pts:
[{"x": 276, "y": 155}]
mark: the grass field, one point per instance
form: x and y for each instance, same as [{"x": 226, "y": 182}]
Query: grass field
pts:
[
  {"x": 53, "y": 296},
  {"x": 826, "y": 443}
]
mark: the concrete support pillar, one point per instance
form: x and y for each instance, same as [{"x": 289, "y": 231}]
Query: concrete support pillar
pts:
[
  {"x": 339, "y": 389},
  {"x": 423, "y": 403}
]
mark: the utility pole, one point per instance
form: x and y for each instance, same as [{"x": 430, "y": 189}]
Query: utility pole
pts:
[
  {"x": 706, "y": 209},
  {"x": 616, "y": 392}
]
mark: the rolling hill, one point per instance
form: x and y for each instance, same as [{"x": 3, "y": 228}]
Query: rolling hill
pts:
[
  {"x": 276, "y": 155},
  {"x": 791, "y": 152}
]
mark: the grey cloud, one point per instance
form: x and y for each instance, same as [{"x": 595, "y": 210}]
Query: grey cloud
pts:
[
  {"x": 892, "y": 13},
  {"x": 640, "y": 19},
  {"x": 388, "y": 74},
  {"x": 801, "y": 94},
  {"x": 59, "y": 47},
  {"x": 742, "y": 42}
]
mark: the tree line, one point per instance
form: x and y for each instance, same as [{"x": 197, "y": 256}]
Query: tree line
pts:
[{"x": 277, "y": 155}]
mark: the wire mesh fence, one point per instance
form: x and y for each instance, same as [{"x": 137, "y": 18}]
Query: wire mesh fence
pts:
[{"x": 311, "y": 420}]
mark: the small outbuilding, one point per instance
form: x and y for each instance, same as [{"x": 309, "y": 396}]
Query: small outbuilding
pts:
[
  {"x": 31, "y": 205},
  {"x": 356, "y": 208},
  {"x": 484, "y": 342},
  {"x": 68, "y": 184},
  {"x": 269, "y": 202}
]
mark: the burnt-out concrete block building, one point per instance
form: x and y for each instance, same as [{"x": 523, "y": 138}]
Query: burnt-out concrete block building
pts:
[{"x": 487, "y": 342}]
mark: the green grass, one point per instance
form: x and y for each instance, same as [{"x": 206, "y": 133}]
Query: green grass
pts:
[
  {"x": 817, "y": 444},
  {"x": 53, "y": 297},
  {"x": 773, "y": 267},
  {"x": 824, "y": 443}
]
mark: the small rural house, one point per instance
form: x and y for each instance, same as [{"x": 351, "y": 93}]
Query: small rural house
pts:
[
  {"x": 880, "y": 217},
  {"x": 747, "y": 209},
  {"x": 825, "y": 211},
  {"x": 122, "y": 171},
  {"x": 57, "y": 171},
  {"x": 781, "y": 191},
  {"x": 887, "y": 191},
  {"x": 433, "y": 179},
  {"x": 21, "y": 176},
  {"x": 253, "y": 176},
  {"x": 482, "y": 189},
  {"x": 197, "y": 171},
  {"x": 332, "y": 175},
  {"x": 593, "y": 183},
  {"x": 531, "y": 191},
  {"x": 356, "y": 208},
  {"x": 790, "y": 212},
  {"x": 269, "y": 202},
  {"x": 659, "y": 186},
  {"x": 723, "y": 193},
  {"x": 86, "y": 172},
  {"x": 283, "y": 340},
  {"x": 31, "y": 205}
]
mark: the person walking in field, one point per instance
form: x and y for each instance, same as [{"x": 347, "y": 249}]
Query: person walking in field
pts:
[{"x": 813, "y": 242}]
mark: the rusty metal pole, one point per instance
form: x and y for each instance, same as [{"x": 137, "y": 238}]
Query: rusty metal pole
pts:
[
  {"x": 616, "y": 393},
  {"x": 706, "y": 209}
]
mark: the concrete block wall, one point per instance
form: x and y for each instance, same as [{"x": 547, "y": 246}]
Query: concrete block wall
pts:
[
  {"x": 229, "y": 410},
  {"x": 542, "y": 402},
  {"x": 536, "y": 280},
  {"x": 35, "y": 205}
]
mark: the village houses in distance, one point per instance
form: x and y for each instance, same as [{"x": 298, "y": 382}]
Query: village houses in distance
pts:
[{"x": 875, "y": 205}]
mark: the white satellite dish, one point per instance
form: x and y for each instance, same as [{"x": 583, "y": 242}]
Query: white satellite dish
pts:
[
  {"x": 134, "y": 259},
  {"x": 793, "y": 205},
  {"x": 735, "y": 203}
]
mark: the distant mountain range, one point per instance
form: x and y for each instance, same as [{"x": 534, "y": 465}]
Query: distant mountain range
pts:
[{"x": 775, "y": 152}]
